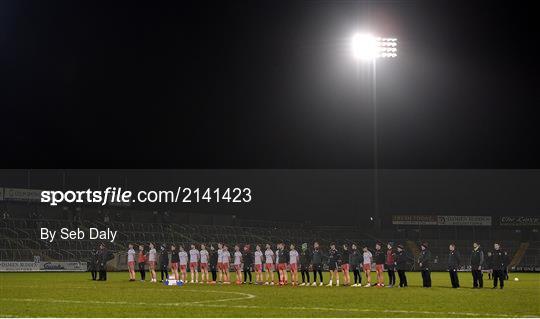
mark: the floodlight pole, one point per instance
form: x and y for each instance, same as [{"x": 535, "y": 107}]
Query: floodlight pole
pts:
[{"x": 375, "y": 143}]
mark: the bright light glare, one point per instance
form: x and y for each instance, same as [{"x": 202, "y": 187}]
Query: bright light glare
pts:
[
  {"x": 367, "y": 47},
  {"x": 364, "y": 46}
]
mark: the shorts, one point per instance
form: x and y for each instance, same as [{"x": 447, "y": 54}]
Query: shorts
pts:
[
  {"x": 268, "y": 267},
  {"x": 332, "y": 266},
  {"x": 183, "y": 267},
  {"x": 237, "y": 267},
  {"x": 204, "y": 266},
  {"x": 131, "y": 264},
  {"x": 258, "y": 267},
  {"x": 152, "y": 264},
  {"x": 225, "y": 266},
  {"x": 174, "y": 266},
  {"x": 193, "y": 264},
  {"x": 345, "y": 267},
  {"x": 282, "y": 266},
  {"x": 366, "y": 267},
  {"x": 219, "y": 265},
  {"x": 379, "y": 267}
]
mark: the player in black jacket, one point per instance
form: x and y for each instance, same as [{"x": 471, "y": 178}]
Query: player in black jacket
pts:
[
  {"x": 379, "y": 257},
  {"x": 316, "y": 263},
  {"x": 213, "y": 260},
  {"x": 476, "y": 262},
  {"x": 333, "y": 264},
  {"x": 499, "y": 262},
  {"x": 401, "y": 262},
  {"x": 305, "y": 260},
  {"x": 356, "y": 260},
  {"x": 247, "y": 257},
  {"x": 164, "y": 263},
  {"x": 424, "y": 261},
  {"x": 454, "y": 261}
]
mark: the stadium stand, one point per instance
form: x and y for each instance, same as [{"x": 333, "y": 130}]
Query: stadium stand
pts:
[{"x": 19, "y": 232}]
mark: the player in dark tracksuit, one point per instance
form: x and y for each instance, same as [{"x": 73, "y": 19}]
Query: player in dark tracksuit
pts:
[
  {"x": 401, "y": 262},
  {"x": 248, "y": 260},
  {"x": 476, "y": 262},
  {"x": 424, "y": 263},
  {"x": 454, "y": 261},
  {"x": 499, "y": 262},
  {"x": 316, "y": 263},
  {"x": 213, "y": 260},
  {"x": 334, "y": 258},
  {"x": 391, "y": 265},
  {"x": 164, "y": 263},
  {"x": 305, "y": 260},
  {"x": 356, "y": 260}
]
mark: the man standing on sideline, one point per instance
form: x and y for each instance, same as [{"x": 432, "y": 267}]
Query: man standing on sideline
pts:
[
  {"x": 316, "y": 264},
  {"x": 103, "y": 257},
  {"x": 424, "y": 262},
  {"x": 305, "y": 260},
  {"x": 390, "y": 265},
  {"x": 499, "y": 263},
  {"x": 454, "y": 260},
  {"x": 401, "y": 261},
  {"x": 477, "y": 260},
  {"x": 379, "y": 258}
]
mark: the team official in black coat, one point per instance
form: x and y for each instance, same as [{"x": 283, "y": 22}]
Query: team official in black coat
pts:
[
  {"x": 93, "y": 264},
  {"x": 247, "y": 259},
  {"x": 213, "y": 260},
  {"x": 477, "y": 261},
  {"x": 424, "y": 262},
  {"x": 103, "y": 257},
  {"x": 401, "y": 262},
  {"x": 454, "y": 261},
  {"x": 499, "y": 263},
  {"x": 164, "y": 263}
]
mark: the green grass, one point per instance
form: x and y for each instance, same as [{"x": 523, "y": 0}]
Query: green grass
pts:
[{"x": 74, "y": 295}]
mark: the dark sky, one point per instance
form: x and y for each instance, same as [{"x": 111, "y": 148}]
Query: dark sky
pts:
[{"x": 266, "y": 84}]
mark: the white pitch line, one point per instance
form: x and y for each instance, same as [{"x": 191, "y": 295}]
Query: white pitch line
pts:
[{"x": 261, "y": 307}]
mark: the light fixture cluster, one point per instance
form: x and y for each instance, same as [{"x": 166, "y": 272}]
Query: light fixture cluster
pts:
[{"x": 368, "y": 47}]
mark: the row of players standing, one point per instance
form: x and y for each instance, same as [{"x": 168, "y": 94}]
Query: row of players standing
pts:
[
  {"x": 306, "y": 260},
  {"x": 265, "y": 263}
]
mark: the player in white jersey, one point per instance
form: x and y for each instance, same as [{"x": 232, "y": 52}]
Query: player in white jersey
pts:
[
  {"x": 220, "y": 262},
  {"x": 182, "y": 261},
  {"x": 238, "y": 264},
  {"x": 258, "y": 256},
  {"x": 131, "y": 262},
  {"x": 152, "y": 256},
  {"x": 367, "y": 265},
  {"x": 204, "y": 264},
  {"x": 293, "y": 263},
  {"x": 194, "y": 264},
  {"x": 268, "y": 264},
  {"x": 225, "y": 264}
]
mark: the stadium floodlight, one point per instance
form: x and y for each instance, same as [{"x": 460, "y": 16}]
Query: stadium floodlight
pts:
[{"x": 368, "y": 47}]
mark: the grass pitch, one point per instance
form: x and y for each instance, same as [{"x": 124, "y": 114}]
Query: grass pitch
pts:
[{"x": 75, "y": 295}]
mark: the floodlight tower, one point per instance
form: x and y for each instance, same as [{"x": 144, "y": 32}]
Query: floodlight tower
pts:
[{"x": 368, "y": 48}]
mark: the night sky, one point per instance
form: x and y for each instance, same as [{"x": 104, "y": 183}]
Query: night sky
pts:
[{"x": 266, "y": 84}]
